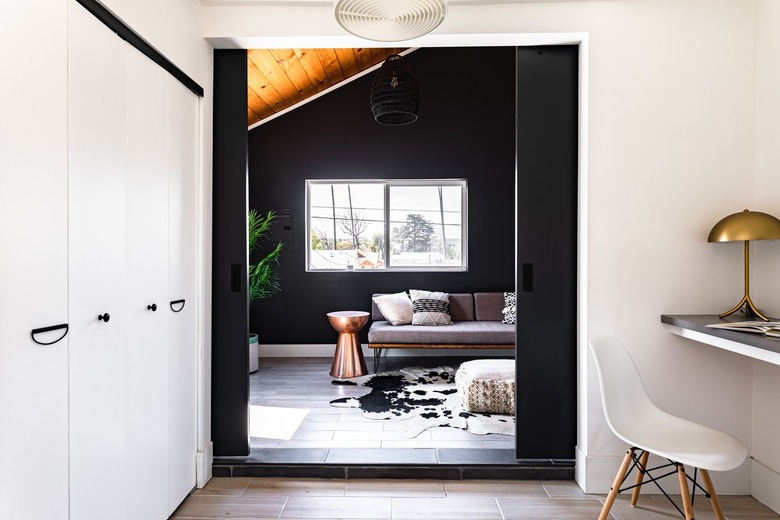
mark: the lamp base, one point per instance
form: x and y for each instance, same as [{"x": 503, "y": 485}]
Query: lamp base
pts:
[{"x": 750, "y": 308}]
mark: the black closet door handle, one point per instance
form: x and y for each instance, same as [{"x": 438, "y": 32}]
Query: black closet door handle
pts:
[
  {"x": 152, "y": 307},
  {"x": 104, "y": 317},
  {"x": 49, "y": 329},
  {"x": 177, "y": 302}
]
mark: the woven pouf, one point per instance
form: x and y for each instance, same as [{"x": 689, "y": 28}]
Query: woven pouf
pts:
[{"x": 487, "y": 386}]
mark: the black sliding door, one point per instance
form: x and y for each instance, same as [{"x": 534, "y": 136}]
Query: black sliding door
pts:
[
  {"x": 547, "y": 149},
  {"x": 230, "y": 301}
]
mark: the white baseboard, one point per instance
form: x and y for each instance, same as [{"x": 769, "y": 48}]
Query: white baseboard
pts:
[
  {"x": 580, "y": 476},
  {"x": 765, "y": 485},
  {"x": 327, "y": 349},
  {"x": 595, "y": 474},
  {"x": 203, "y": 464}
]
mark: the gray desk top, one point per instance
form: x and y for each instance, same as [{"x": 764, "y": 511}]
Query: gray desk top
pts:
[{"x": 698, "y": 322}]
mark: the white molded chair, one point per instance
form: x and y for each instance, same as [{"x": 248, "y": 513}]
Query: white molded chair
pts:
[{"x": 636, "y": 420}]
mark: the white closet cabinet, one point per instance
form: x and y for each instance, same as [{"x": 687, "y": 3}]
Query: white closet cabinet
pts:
[
  {"x": 33, "y": 261},
  {"x": 182, "y": 280},
  {"x": 97, "y": 288},
  {"x": 146, "y": 209},
  {"x": 133, "y": 133}
]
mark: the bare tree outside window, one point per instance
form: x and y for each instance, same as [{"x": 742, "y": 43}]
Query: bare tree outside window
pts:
[{"x": 354, "y": 225}]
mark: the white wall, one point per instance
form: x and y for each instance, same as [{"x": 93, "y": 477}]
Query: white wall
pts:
[
  {"x": 670, "y": 150},
  {"x": 765, "y": 274}
]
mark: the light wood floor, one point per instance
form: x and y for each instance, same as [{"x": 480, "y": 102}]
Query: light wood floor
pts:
[{"x": 266, "y": 498}]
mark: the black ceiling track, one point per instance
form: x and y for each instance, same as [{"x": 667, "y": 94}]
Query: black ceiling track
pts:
[{"x": 131, "y": 37}]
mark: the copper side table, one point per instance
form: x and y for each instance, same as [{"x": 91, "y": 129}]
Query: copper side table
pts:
[{"x": 348, "y": 359}]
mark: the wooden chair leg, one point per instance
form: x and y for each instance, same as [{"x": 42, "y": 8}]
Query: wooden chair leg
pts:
[
  {"x": 705, "y": 475},
  {"x": 613, "y": 491},
  {"x": 684, "y": 492},
  {"x": 640, "y": 476}
]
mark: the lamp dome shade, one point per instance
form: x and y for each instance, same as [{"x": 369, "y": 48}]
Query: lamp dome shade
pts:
[{"x": 745, "y": 225}]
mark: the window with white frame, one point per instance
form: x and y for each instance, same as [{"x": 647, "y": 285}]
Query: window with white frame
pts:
[{"x": 390, "y": 225}]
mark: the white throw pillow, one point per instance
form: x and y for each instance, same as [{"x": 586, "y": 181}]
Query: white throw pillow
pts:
[
  {"x": 430, "y": 308},
  {"x": 396, "y": 308}
]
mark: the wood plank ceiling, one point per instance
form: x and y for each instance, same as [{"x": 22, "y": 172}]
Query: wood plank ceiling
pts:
[{"x": 281, "y": 78}]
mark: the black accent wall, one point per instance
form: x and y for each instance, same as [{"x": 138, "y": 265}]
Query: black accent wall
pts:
[{"x": 466, "y": 129}]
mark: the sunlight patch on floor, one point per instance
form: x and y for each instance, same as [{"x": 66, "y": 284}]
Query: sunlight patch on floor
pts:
[{"x": 272, "y": 422}]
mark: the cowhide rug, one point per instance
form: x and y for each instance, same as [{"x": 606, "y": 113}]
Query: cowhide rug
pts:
[{"x": 420, "y": 398}]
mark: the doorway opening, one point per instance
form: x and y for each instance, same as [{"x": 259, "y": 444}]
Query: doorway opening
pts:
[{"x": 565, "y": 365}]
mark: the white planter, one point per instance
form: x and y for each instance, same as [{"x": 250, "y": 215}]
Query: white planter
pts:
[{"x": 254, "y": 353}]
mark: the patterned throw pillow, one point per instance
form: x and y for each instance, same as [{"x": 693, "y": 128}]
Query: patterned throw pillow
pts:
[
  {"x": 510, "y": 308},
  {"x": 396, "y": 308},
  {"x": 430, "y": 308}
]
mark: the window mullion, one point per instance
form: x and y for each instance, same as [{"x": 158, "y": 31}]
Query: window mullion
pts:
[{"x": 387, "y": 225}]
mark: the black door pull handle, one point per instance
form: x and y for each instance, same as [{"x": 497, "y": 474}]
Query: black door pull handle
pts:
[
  {"x": 152, "y": 307},
  {"x": 63, "y": 326},
  {"x": 104, "y": 317}
]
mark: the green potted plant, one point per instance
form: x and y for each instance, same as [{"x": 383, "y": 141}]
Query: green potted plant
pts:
[{"x": 262, "y": 275}]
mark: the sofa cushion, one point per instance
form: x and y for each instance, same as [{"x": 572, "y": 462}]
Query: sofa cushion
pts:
[
  {"x": 376, "y": 314},
  {"x": 462, "y": 306},
  {"x": 430, "y": 307},
  {"x": 460, "y": 332},
  {"x": 488, "y": 306},
  {"x": 395, "y": 308}
]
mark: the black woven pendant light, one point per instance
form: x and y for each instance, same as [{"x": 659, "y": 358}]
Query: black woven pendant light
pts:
[{"x": 395, "y": 98}]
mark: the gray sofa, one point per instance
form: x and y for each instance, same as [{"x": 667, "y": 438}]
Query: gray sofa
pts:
[{"x": 476, "y": 324}]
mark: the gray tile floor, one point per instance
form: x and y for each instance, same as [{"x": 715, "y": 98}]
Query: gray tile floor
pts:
[
  {"x": 305, "y": 383},
  {"x": 266, "y": 498}
]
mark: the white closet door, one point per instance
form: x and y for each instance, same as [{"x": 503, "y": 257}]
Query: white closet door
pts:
[
  {"x": 97, "y": 269},
  {"x": 183, "y": 262},
  {"x": 146, "y": 358},
  {"x": 33, "y": 261}
]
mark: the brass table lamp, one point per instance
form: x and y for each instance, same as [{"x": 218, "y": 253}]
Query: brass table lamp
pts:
[{"x": 746, "y": 225}]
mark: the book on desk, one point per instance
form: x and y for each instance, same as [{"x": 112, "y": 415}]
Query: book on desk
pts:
[{"x": 767, "y": 328}]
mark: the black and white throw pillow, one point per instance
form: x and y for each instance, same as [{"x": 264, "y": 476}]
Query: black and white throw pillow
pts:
[
  {"x": 430, "y": 308},
  {"x": 510, "y": 308}
]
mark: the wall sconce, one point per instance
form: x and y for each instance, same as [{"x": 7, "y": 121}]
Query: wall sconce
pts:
[
  {"x": 386, "y": 21},
  {"x": 747, "y": 226},
  {"x": 395, "y": 97}
]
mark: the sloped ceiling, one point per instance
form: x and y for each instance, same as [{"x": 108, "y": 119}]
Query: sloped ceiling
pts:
[{"x": 279, "y": 79}]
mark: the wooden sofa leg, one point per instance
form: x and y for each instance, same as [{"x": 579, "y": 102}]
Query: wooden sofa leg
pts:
[
  {"x": 640, "y": 477},
  {"x": 705, "y": 475},
  {"x": 613, "y": 491}
]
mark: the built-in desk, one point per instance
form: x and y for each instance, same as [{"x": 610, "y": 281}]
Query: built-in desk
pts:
[{"x": 694, "y": 326}]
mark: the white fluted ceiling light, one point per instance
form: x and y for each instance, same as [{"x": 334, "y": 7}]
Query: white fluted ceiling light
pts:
[{"x": 390, "y": 20}]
